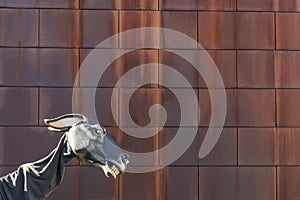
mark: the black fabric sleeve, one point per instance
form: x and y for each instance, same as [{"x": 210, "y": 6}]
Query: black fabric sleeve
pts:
[{"x": 36, "y": 180}]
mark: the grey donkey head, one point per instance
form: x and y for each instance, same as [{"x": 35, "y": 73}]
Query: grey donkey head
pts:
[{"x": 90, "y": 143}]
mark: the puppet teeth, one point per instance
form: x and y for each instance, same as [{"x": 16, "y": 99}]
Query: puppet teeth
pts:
[{"x": 115, "y": 170}]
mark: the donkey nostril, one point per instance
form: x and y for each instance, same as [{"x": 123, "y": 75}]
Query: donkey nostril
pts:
[
  {"x": 127, "y": 162},
  {"x": 125, "y": 158}
]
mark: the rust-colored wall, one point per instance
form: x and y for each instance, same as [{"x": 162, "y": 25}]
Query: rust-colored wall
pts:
[{"x": 255, "y": 45}]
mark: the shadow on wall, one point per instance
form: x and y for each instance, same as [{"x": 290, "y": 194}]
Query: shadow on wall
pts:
[
  {"x": 26, "y": 69},
  {"x": 58, "y": 68},
  {"x": 21, "y": 72},
  {"x": 18, "y": 105},
  {"x": 33, "y": 143}
]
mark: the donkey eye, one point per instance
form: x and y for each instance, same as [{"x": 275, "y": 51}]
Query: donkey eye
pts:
[{"x": 101, "y": 131}]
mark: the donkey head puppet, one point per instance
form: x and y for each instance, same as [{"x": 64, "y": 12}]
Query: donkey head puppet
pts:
[
  {"x": 84, "y": 139},
  {"x": 90, "y": 143}
]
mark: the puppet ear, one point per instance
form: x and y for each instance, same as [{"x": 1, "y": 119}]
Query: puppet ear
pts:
[{"x": 65, "y": 122}]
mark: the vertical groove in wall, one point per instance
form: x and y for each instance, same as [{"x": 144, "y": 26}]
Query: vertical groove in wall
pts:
[
  {"x": 276, "y": 114},
  {"x": 39, "y": 16},
  {"x": 276, "y": 183},
  {"x": 236, "y": 79},
  {"x": 275, "y": 27},
  {"x": 77, "y": 36},
  {"x": 38, "y": 107},
  {"x": 198, "y": 182},
  {"x": 78, "y": 169},
  {"x": 120, "y": 140},
  {"x": 197, "y": 26},
  {"x": 119, "y": 24},
  {"x": 119, "y": 185}
]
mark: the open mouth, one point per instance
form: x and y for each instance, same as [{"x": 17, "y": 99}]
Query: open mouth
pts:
[
  {"x": 115, "y": 171},
  {"x": 109, "y": 169}
]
